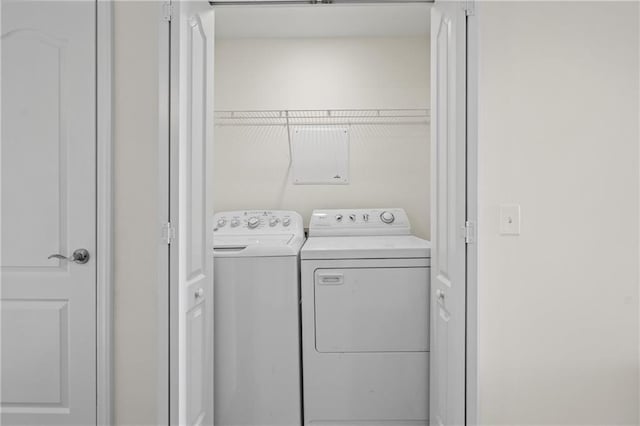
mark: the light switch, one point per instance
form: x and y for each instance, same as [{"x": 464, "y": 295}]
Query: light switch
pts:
[{"x": 509, "y": 219}]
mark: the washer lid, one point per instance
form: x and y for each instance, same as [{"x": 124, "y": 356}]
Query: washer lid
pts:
[
  {"x": 378, "y": 247},
  {"x": 256, "y": 245}
]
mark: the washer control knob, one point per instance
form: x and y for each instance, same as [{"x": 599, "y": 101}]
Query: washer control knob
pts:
[
  {"x": 234, "y": 223},
  {"x": 286, "y": 221},
  {"x": 273, "y": 221},
  {"x": 352, "y": 217},
  {"x": 387, "y": 217},
  {"x": 222, "y": 222},
  {"x": 253, "y": 222},
  {"x": 338, "y": 217}
]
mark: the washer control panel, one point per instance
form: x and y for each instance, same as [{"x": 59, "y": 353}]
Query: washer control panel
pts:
[
  {"x": 347, "y": 222},
  {"x": 257, "y": 221}
]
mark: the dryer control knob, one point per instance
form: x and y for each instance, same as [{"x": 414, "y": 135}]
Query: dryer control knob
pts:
[
  {"x": 387, "y": 217},
  {"x": 273, "y": 221},
  {"x": 286, "y": 221},
  {"x": 338, "y": 217},
  {"x": 253, "y": 222},
  {"x": 234, "y": 223},
  {"x": 222, "y": 222}
]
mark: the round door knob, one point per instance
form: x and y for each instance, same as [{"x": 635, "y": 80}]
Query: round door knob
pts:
[
  {"x": 286, "y": 221},
  {"x": 222, "y": 222},
  {"x": 253, "y": 222},
  {"x": 387, "y": 217}
]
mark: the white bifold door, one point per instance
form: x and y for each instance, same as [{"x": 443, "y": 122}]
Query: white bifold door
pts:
[
  {"x": 448, "y": 263},
  {"x": 48, "y": 150},
  {"x": 191, "y": 212}
]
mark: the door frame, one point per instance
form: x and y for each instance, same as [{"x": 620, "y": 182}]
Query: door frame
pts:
[
  {"x": 164, "y": 217},
  {"x": 472, "y": 305},
  {"x": 104, "y": 212},
  {"x": 103, "y": 198}
]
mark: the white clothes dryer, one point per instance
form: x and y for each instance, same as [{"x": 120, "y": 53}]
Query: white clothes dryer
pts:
[
  {"x": 365, "y": 320},
  {"x": 257, "y": 318}
]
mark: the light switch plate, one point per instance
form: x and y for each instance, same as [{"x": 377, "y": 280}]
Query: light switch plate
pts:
[{"x": 509, "y": 219}]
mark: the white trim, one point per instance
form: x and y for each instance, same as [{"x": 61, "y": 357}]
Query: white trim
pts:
[
  {"x": 164, "y": 369},
  {"x": 174, "y": 205},
  {"x": 104, "y": 206},
  {"x": 472, "y": 392},
  {"x": 164, "y": 55}
]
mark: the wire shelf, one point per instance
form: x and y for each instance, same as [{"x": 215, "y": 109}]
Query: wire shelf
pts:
[{"x": 322, "y": 117}]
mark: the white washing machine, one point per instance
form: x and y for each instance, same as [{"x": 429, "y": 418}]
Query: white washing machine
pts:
[
  {"x": 365, "y": 320},
  {"x": 257, "y": 318}
]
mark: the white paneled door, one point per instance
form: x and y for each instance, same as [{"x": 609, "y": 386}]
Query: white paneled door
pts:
[
  {"x": 448, "y": 273},
  {"x": 48, "y": 151},
  {"x": 191, "y": 254}
]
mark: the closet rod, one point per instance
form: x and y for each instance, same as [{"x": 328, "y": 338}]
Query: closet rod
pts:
[
  {"x": 324, "y": 113},
  {"x": 321, "y": 117},
  {"x": 334, "y": 117},
  {"x": 309, "y": 2},
  {"x": 363, "y": 123}
]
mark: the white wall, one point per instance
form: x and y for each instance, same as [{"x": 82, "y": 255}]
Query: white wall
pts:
[
  {"x": 389, "y": 164},
  {"x": 558, "y": 134},
  {"x": 135, "y": 199}
]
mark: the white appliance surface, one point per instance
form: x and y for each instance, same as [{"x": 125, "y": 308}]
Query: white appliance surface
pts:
[
  {"x": 371, "y": 309},
  {"x": 257, "y": 332},
  {"x": 381, "y": 247},
  {"x": 365, "y": 320},
  {"x": 257, "y": 233},
  {"x": 351, "y": 222}
]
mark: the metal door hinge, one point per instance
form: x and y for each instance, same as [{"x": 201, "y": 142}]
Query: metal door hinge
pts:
[
  {"x": 167, "y": 11},
  {"x": 168, "y": 233},
  {"x": 469, "y": 232},
  {"x": 469, "y": 7}
]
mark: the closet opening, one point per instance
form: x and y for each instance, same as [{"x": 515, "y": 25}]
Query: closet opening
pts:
[
  {"x": 323, "y": 110},
  {"x": 316, "y": 153}
]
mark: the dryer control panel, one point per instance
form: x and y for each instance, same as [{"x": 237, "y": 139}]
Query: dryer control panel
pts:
[
  {"x": 348, "y": 222},
  {"x": 257, "y": 222}
]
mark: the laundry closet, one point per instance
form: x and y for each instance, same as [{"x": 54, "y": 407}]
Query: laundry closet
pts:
[
  {"x": 322, "y": 132},
  {"x": 364, "y": 68}
]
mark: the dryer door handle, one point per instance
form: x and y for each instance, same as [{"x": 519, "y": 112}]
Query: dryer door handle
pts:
[{"x": 331, "y": 279}]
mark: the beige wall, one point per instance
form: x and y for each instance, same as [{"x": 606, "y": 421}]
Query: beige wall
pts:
[
  {"x": 388, "y": 163},
  {"x": 558, "y": 134},
  {"x": 135, "y": 199}
]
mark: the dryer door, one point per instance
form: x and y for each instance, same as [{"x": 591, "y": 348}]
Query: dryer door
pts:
[{"x": 372, "y": 309}]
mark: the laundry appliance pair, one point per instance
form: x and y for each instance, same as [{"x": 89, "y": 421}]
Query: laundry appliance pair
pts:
[{"x": 331, "y": 331}]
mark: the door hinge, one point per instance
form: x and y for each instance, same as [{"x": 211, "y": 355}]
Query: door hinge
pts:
[
  {"x": 167, "y": 11},
  {"x": 168, "y": 233},
  {"x": 469, "y": 232},
  {"x": 469, "y": 7}
]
